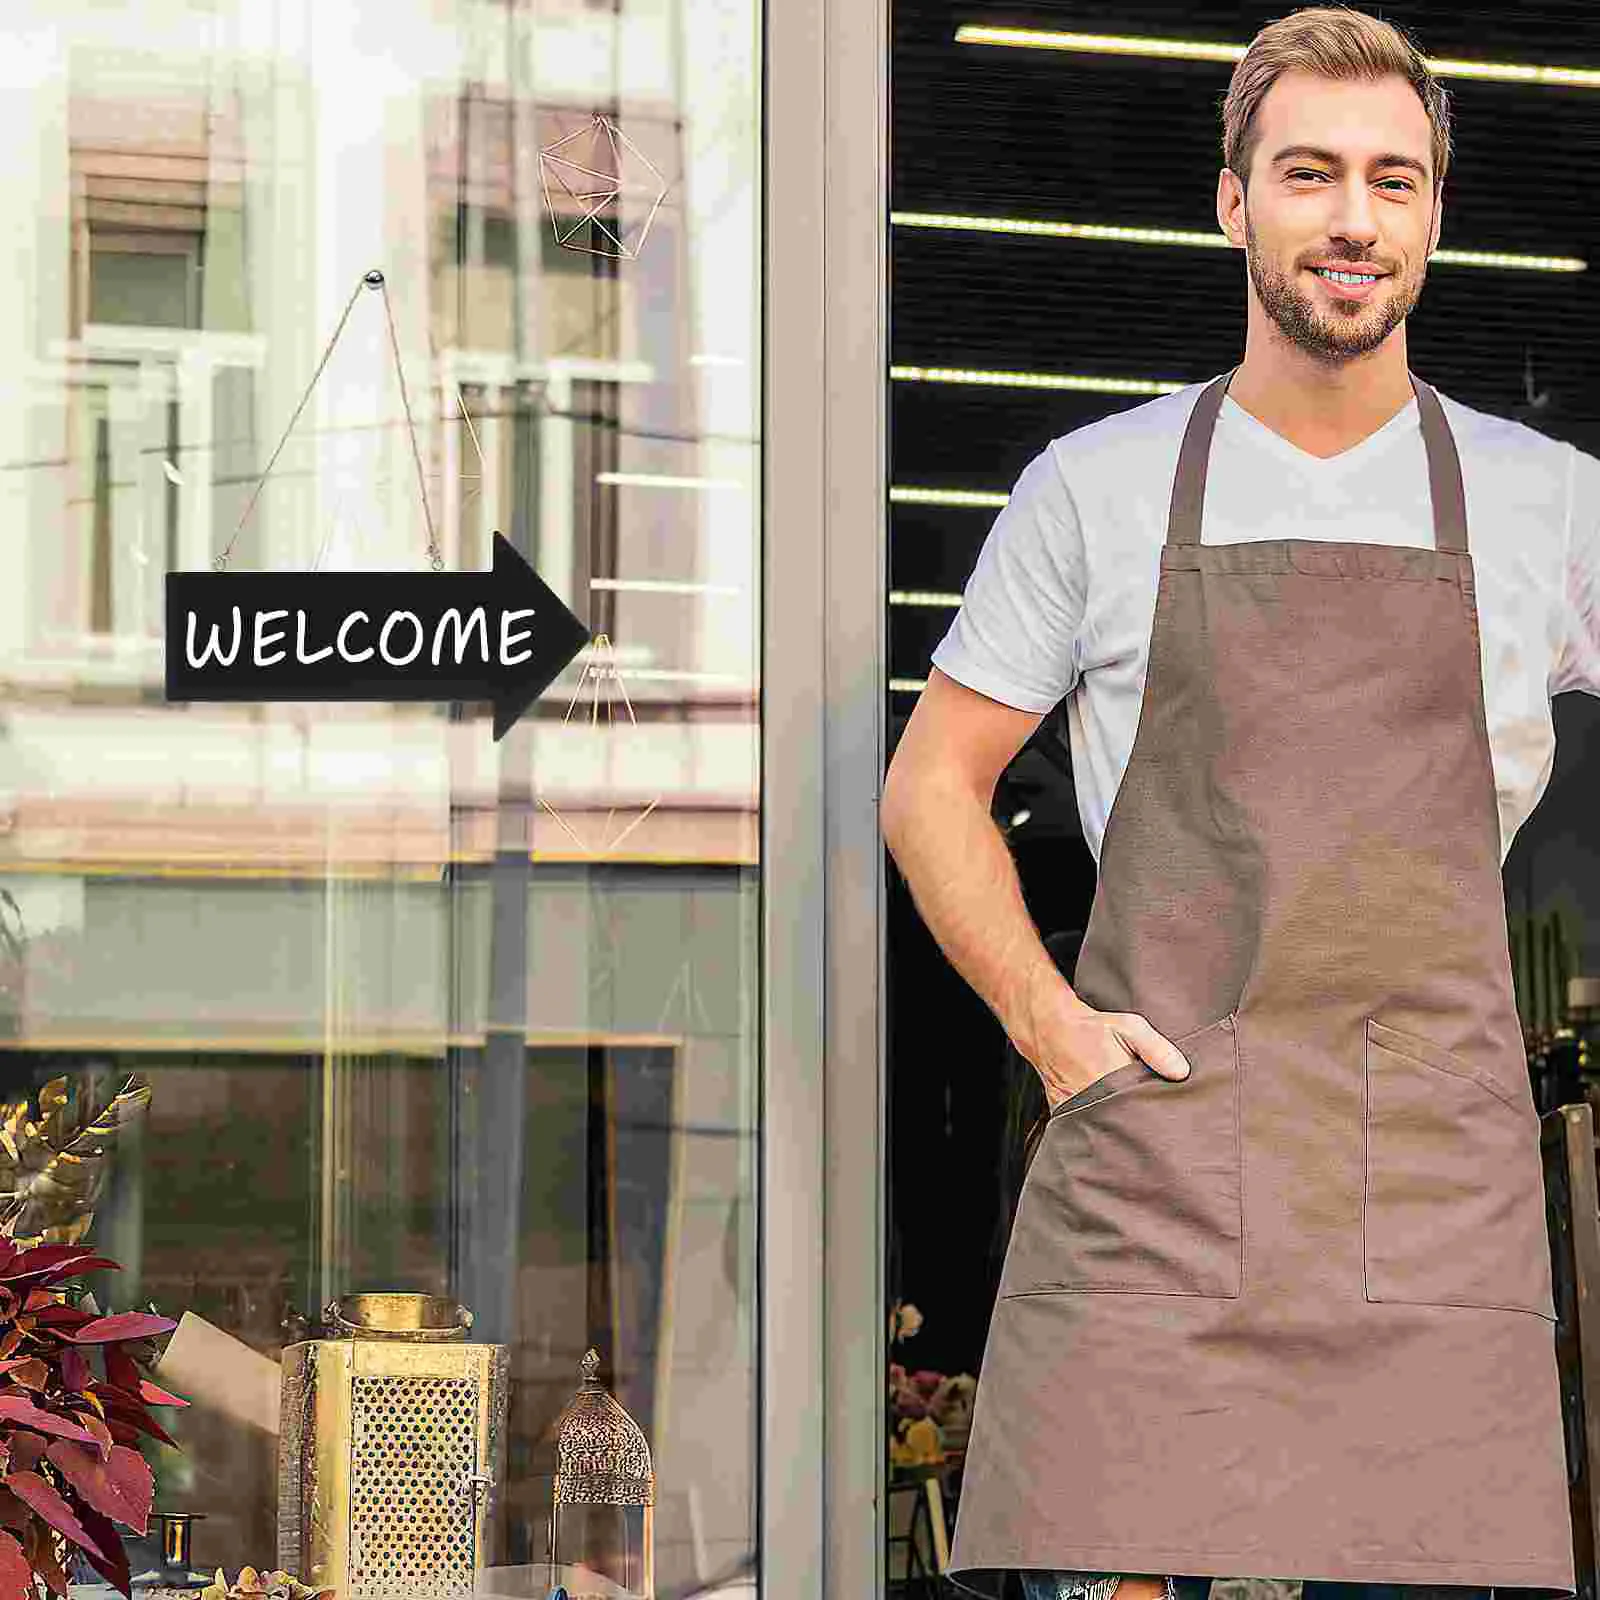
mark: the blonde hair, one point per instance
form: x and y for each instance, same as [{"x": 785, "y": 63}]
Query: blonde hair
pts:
[{"x": 1334, "y": 42}]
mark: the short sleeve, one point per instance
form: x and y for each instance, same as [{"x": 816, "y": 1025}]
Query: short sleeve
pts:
[
  {"x": 1014, "y": 638},
  {"x": 1578, "y": 662}
]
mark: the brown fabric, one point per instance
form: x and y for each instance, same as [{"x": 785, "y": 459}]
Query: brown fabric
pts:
[{"x": 1291, "y": 1317}]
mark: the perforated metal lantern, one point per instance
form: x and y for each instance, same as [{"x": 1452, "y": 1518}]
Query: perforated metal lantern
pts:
[
  {"x": 389, "y": 1449},
  {"x": 602, "y": 1519}
]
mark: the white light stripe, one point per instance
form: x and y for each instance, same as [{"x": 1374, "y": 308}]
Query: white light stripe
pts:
[
  {"x": 1105, "y": 233},
  {"x": 1496, "y": 258},
  {"x": 923, "y": 597},
  {"x": 907, "y": 685},
  {"x": 671, "y": 675},
  {"x": 1188, "y": 239},
  {"x": 1197, "y": 50},
  {"x": 906, "y": 495},
  {"x": 1511, "y": 72},
  {"x": 1102, "y": 44},
  {"x": 659, "y": 480},
  {"x": 661, "y": 586},
  {"x": 1034, "y": 380}
]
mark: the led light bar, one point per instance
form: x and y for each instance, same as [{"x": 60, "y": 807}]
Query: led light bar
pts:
[
  {"x": 1100, "y": 44},
  {"x": 663, "y": 480},
  {"x": 1496, "y": 258},
  {"x": 1034, "y": 380},
  {"x": 906, "y": 495},
  {"x": 1059, "y": 230},
  {"x": 923, "y": 597},
  {"x": 1189, "y": 239},
  {"x": 670, "y": 675},
  {"x": 660, "y": 586},
  {"x": 907, "y": 685},
  {"x": 1194, "y": 50}
]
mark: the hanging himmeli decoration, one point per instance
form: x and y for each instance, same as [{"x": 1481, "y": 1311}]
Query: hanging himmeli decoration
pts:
[
  {"x": 601, "y": 190},
  {"x": 601, "y": 701}
]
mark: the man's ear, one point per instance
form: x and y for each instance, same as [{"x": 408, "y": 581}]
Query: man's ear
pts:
[
  {"x": 1438, "y": 222},
  {"x": 1230, "y": 206}
]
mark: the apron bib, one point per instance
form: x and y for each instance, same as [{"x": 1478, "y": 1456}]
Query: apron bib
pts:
[{"x": 1292, "y": 1316}]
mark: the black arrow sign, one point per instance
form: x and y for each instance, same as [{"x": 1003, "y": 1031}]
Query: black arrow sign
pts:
[{"x": 501, "y": 635}]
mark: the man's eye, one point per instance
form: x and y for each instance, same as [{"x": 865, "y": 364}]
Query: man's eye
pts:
[
  {"x": 1405, "y": 183},
  {"x": 1306, "y": 172}
]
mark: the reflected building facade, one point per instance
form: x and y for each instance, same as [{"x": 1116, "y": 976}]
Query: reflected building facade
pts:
[{"x": 420, "y": 1011}]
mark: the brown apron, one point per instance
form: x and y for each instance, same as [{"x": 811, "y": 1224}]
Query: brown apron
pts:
[{"x": 1290, "y": 1317}]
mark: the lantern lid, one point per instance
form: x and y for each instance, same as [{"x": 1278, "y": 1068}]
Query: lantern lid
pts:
[{"x": 602, "y": 1456}]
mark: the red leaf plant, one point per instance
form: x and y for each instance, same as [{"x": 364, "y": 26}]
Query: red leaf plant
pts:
[{"x": 74, "y": 1402}]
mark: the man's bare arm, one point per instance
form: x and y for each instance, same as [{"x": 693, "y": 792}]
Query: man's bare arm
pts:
[{"x": 936, "y": 823}]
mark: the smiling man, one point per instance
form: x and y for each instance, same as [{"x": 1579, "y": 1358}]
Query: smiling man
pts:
[{"x": 1277, "y": 1301}]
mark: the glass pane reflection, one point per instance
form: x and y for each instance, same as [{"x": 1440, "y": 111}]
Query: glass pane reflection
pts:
[{"x": 419, "y": 1011}]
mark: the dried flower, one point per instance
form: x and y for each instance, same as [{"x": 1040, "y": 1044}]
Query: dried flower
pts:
[
  {"x": 53, "y": 1166},
  {"x": 916, "y": 1444},
  {"x": 904, "y": 1321},
  {"x": 253, "y": 1585},
  {"x": 951, "y": 1404}
]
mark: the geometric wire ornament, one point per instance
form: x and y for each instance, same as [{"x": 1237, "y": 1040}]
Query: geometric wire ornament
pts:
[
  {"x": 601, "y": 190},
  {"x": 602, "y": 680},
  {"x": 371, "y": 280}
]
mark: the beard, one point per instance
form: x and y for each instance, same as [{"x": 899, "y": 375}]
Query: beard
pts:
[{"x": 1337, "y": 334}]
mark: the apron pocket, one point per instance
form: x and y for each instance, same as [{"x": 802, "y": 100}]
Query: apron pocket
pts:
[
  {"x": 1136, "y": 1184},
  {"x": 1454, "y": 1210}
]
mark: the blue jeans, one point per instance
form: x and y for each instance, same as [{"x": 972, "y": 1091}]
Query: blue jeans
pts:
[
  {"x": 1100, "y": 1586},
  {"x": 1089, "y": 1586}
]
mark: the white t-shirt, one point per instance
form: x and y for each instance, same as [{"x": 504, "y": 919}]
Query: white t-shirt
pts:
[{"x": 1063, "y": 595}]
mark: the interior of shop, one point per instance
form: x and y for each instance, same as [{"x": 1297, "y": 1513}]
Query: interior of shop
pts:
[{"x": 1005, "y": 334}]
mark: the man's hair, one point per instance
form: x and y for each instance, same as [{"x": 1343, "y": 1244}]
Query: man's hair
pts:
[{"x": 1333, "y": 42}]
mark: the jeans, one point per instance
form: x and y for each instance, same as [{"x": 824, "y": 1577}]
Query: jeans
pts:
[
  {"x": 1097, "y": 1586},
  {"x": 1101, "y": 1586}
]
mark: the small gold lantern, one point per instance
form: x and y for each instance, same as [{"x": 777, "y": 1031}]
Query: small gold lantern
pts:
[
  {"x": 389, "y": 1450},
  {"x": 602, "y": 1516}
]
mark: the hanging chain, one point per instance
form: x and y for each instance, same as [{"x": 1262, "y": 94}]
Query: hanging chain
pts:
[{"x": 368, "y": 280}]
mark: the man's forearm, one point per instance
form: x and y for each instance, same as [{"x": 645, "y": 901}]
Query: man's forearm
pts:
[{"x": 963, "y": 881}]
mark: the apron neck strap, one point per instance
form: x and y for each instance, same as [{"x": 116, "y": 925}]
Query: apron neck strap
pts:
[{"x": 1444, "y": 467}]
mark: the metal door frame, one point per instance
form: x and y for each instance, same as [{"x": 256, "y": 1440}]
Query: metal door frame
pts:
[{"x": 824, "y": 582}]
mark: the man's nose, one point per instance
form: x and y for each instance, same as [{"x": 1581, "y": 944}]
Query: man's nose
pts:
[{"x": 1355, "y": 216}]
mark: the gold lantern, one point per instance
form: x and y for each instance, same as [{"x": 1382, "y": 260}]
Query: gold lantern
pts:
[
  {"x": 602, "y": 1516},
  {"x": 388, "y": 1450}
]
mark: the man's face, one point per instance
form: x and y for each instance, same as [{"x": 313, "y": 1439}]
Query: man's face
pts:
[{"x": 1341, "y": 180}]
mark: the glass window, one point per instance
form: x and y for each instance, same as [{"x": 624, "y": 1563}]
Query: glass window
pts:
[{"x": 419, "y": 1012}]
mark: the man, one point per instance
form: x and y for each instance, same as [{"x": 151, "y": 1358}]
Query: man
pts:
[{"x": 1277, "y": 1297}]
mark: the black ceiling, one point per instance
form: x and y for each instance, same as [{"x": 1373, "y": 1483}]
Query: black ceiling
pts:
[{"x": 1084, "y": 138}]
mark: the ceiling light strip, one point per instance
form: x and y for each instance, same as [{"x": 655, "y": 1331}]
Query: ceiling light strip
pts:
[
  {"x": 1035, "y": 380},
  {"x": 924, "y": 597},
  {"x": 1103, "y": 233},
  {"x": 1189, "y": 239},
  {"x": 670, "y": 675},
  {"x": 663, "y": 480},
  {"x": 1106, "y": 44},
  {"x": 661, "y": 586},
  {"x": 908, "y": 495},
  {"x": 1100, "y": 44},
  {"x": 907, "y": 685}
]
